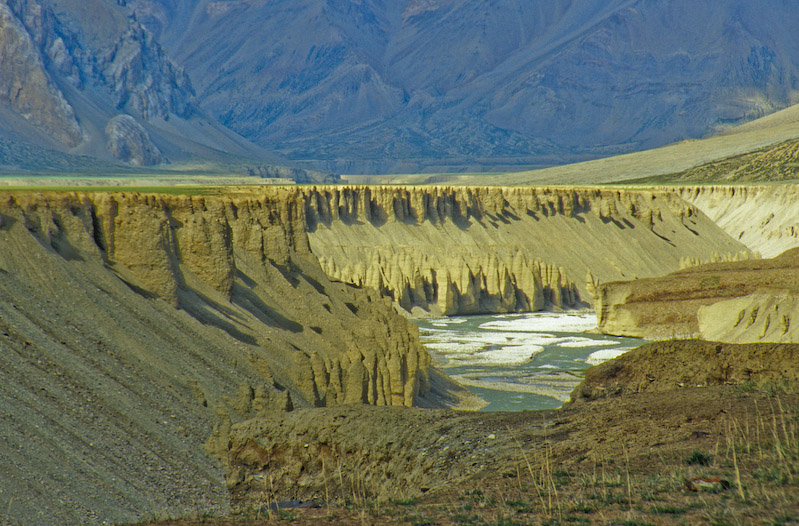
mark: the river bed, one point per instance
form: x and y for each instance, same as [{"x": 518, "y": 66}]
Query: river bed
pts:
[{"x": 517, "y": 362}]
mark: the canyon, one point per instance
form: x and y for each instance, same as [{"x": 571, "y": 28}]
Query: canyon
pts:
[
  {"x": 132, "y": 326},
  {"x": 155, "y": 341}
]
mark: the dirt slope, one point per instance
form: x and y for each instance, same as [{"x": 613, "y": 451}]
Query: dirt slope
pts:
[
  {"x": 632, "y": 433},
  {"x": 133, "y": 325}
]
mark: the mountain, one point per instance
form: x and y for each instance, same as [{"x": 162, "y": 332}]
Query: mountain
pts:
[
  {"x": 86, "y": 88},
  {"x": 407, "y": 85},
  {"x": 382, "y": 86}
]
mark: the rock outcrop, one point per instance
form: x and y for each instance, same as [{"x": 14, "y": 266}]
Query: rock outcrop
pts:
[
  {"x": 143, "y": 79},
  {"x": 68, "y": 68},
  {"x": 133, "y": 326},
  {"x": 747, "y": 301},
  {"x": 457, "y": 250},
  {"x": 769, "y": 315},
  {"x": 129, "y": 142},
  {"x": 26, "y": 87}
]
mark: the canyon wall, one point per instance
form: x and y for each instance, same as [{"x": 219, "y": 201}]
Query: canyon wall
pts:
[
  {"x": 743, "y": 302},
  {"x": 462, "y": 250},
  {"x": 133, "y": 327},
  {"x": 764, "y": 218}
]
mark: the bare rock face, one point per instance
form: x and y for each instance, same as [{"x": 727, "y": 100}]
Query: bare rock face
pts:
[
  {"x": 769, "y": 315},
  {"x": 128, "y": 141},
  {"x": 143, "y": 79},
  {"x": 464, "y": 250},
  {"x": 739, "y": 302},
  {"x": 26, "y": 87}
]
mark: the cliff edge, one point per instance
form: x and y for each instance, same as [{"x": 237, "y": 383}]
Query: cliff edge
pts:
[{"x": 441, "y": 250}]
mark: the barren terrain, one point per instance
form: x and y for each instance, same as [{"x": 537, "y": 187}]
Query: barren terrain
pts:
[{"x": 626, "y": 458}]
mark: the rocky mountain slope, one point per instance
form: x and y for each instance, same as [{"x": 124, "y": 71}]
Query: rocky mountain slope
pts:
[
  {"x": 86, "y": 79},
  {"x": 132, "y": 326},
  {"x": 376, "y": 86},
  {"x": 777, "y": 163},
  {"x": 461, "y": 250}
]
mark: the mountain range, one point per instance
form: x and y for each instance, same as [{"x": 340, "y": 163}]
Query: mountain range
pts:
[{"x": 381, "y": 86}]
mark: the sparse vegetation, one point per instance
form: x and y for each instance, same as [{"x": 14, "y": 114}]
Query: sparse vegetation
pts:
[
  {"x": 756, "y": 447},
  {"x": 698, "y": 458}
]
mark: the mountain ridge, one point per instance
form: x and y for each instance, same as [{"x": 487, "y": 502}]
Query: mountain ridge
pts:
[
  {"x": 87, "y": 80},
  {"x": 390, "y": 87},
  {"x": 376, "y": 87}
]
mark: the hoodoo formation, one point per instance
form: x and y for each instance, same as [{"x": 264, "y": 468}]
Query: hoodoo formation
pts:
[{"x": 462, "y": 250}]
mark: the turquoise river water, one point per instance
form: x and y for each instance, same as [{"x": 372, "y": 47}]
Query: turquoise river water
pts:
[{"x": 517, "y": 362}]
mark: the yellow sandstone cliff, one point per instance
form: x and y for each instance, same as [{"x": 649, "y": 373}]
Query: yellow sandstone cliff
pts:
[
  {"x": 457, "y": 250},
  {"x": 765, "y": 218},
  {"x": 743, "y": 302},
  {"x": 736, "y": 302}
]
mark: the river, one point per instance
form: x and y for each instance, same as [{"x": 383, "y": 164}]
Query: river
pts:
[{"x": 517, "y": 362}]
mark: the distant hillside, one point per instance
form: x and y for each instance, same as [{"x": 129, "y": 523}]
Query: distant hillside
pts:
[
  {"x": 86, "y": 88},
  {"x": 774, "y": 163},
  {"x": 406, "y": 85}
]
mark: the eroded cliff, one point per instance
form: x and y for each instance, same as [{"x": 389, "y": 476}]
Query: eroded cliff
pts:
[
  {"x": 764, "y": 218},
  {"x": 132, "y": 326},
  {"x": 457, "y": 250},
  {"x": 736, "y": 302}
]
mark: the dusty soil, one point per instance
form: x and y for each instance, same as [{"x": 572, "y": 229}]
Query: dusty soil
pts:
[
  {"x": 676, "y": 364},
  {"x": 620, "y": 460}
]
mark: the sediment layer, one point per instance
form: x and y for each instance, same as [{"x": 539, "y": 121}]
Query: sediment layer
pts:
[
  {"x": 458, "y": 250},
  {"x": 737, "y": 302},
  {"x": 132, "y": 326}
]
